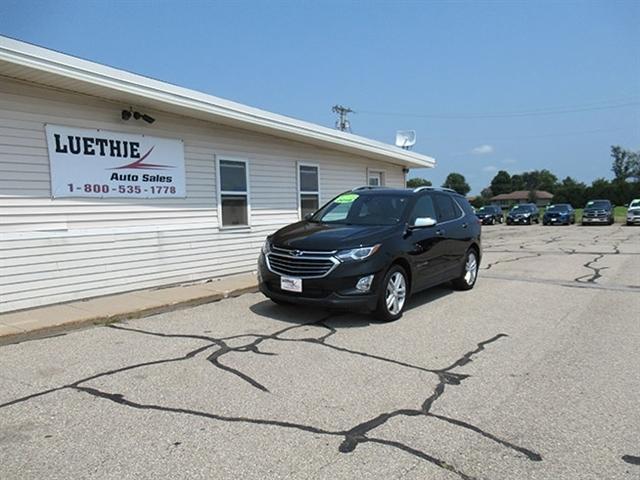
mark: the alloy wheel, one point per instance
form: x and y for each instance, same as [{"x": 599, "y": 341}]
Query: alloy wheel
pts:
[
  {"x": 396, "y": 293},
  {"x": 471, "y": 269}
]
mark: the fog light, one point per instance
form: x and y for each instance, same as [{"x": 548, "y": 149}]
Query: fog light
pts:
[{"x": 364, "y": 284}]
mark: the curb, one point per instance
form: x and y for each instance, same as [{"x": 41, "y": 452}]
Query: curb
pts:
[{"x": 63, "y": 328}]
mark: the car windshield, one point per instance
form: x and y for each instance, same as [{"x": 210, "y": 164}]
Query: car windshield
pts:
[
  {"x": 558, "y": 208},
  {"x": 368, "y": 209},
  {"x": 522, "y": 208},
  {"x": 487, "y": 210},
  {"x": 598, "y": 204},
  {"x": 635, "y": 204}
]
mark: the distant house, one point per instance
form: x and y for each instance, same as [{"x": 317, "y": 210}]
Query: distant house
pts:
[{"x": 542, "y": 198}]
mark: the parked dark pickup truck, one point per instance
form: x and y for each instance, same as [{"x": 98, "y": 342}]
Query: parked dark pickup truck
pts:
[{"x": 598, "y": 211}]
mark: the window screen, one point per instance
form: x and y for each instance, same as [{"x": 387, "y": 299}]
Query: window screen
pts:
[
  {"x": 309, "y": 190},
  {"x": 233, "y": 176},
  {"x": 234, "y": 196}
]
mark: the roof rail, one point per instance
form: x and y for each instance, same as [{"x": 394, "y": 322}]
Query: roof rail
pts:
[
  {"x": 437, "y": 189},
  {"x": 368, "y": 187}
]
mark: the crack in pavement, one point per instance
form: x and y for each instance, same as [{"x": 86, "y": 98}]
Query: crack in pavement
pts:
[
  {"x": 352, "y": 437},
  {"x": 508, "y": 260},
  {"x": 631, "y": 459},
  {"x": 592, "y": 277}
]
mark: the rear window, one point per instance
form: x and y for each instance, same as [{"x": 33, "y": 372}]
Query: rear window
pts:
[{"x": 446, "y": 208}]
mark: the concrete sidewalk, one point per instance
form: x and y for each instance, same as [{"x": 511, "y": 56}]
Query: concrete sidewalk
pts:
[{"x": 46, "y": 320}]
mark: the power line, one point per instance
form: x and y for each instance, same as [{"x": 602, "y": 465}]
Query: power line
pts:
[{"x": 530, "y": 113}]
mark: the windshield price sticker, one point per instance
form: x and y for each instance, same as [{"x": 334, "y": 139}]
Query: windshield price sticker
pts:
[
  {"x": 98, "y": 163},
  {"x": 347, "y": 198}
]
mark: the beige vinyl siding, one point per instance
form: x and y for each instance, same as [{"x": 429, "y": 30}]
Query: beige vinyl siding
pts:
[{"x": 60, "y": 250}]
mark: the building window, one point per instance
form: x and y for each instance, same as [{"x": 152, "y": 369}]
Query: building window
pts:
[
  {"x": 376, "y": 178},
  {"x": 233, "y": 193},
  {"x": 308, "y": 188}
]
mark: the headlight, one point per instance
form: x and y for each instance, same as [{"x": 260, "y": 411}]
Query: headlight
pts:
[
  {"x": 357, "y": 253},
  {"x": 266, "y": 247},
  {"x": 526, "y": 215}
]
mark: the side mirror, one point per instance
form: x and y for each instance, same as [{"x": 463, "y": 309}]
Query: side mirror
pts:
[
  {"x": 307, "y": 216},
  {"x": 424, "y": 222}
]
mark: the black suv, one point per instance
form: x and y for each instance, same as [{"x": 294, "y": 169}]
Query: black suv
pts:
[
  {"x": 370, "y": 248},
  {"x": 490, "y": 214},
  {"x": 525, "y": 213},
  {"x": 598, "y": 211}
]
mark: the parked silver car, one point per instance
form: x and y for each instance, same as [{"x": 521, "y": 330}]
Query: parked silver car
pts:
[{"x": 633, "y": 212}]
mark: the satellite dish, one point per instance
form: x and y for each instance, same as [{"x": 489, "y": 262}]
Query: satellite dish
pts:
[{"x": 405, "y": 139}]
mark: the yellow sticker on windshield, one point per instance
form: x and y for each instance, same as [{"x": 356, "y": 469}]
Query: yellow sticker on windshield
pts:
[{"x": 346, "y": 198}]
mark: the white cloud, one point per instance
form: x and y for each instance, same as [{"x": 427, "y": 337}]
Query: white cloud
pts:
[
  {"x": 489, "y": 168},
  {"x": 482, "y": 150}
]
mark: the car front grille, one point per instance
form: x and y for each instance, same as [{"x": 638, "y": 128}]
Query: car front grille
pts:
[
  {"x": 301, "y": 263},
  {"x": 597, "y": 214}
]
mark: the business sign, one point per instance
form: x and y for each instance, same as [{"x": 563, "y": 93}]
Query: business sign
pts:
[{"x": 96, "y": 163}]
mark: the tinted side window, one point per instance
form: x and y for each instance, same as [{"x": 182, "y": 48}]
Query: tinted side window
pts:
[
  {"x": 447, "y": 208},
  {"x": 423, "y": 208}
]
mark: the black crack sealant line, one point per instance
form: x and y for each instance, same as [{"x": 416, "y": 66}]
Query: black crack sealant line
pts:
[
  {"x": 351, "y": 437},
  {"x": 631, "y": 459},
  {"x": 509, "y": 260},
  {"x": 591, "y": 277}
]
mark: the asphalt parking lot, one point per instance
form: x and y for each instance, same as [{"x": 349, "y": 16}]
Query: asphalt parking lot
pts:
[{"x": 534, "y": 374}]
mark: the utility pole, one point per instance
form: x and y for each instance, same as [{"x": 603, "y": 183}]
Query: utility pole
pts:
[{"x": 342, "y": 123}]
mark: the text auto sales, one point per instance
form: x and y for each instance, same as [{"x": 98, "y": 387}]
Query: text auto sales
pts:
[{"x": 91, "y": 146}]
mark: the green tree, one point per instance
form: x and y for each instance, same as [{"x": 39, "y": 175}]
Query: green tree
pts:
[
  {"x": 626, "y": 164},
  {"x": 418, "y": 182},
  {"x": 501, "y": 183},
  {"x": 620, "y": 165},
  {"x": 570, "y": 191},
  {"x": 517, "y": 183},
  {"x": 457, "y": 182},
  {"x": 539, "y": 180}
]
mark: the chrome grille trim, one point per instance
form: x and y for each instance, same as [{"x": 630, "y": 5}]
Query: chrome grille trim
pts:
[{"x": 302, "y": 263}]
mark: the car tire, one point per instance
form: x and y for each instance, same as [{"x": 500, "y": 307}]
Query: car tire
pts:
[
  {"x": 393, "y": 295},
  {"x": 469, "y": 274},
  {"x": 492, "y": 221}
]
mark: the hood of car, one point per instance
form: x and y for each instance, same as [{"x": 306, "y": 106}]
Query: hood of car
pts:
[{"x": 315, "y": 236}]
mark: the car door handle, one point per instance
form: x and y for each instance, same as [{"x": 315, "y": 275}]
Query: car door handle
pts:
[
  {"x": 440, "y": 232},
  {"x": 464, "y": 225}
]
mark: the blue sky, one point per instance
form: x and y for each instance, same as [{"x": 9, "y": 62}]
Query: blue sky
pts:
[{"x": 487, "y": 85}]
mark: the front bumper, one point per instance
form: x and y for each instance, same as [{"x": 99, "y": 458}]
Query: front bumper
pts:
[
  {"x": 555, "y": 220},
  {"x": 634, "y": 220},
  {"x": 596, "y": 219},
  {"x": 519, "y": 220},
  {"x": 336, "y": 290},
  {"x": 487, "y": 220}
]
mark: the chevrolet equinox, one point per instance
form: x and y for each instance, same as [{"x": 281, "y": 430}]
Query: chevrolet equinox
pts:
[{"x": 370, "y": 248}]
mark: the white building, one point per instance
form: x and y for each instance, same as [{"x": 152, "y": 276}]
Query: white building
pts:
[{"x": 93, "y": 204}]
